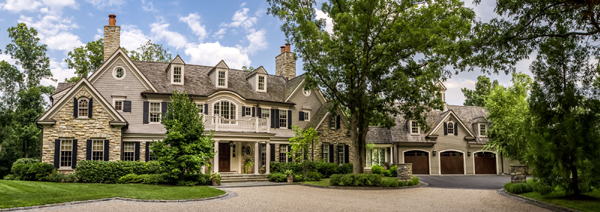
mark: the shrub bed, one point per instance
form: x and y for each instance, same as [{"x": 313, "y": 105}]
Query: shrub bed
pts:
[
  {"x": 110, "y": 172},
  {"x": 518, "y": 188},
  {"x": 324, "y": 169},
  {"x": 31, "y": 171},
  {"x": 368, "y": 180}
]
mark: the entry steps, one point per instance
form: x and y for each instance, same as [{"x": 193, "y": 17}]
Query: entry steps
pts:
[{"x": 239, "y": 178}]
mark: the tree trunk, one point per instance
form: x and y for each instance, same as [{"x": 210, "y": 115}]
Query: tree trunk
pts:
[
  {"x": 575, "y": 179},
  {"x": 25, "y": 149},
  {"x": 356, "y": 163}
]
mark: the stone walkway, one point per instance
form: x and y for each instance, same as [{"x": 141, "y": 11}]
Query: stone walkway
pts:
[{"x": 302, "y": 198}]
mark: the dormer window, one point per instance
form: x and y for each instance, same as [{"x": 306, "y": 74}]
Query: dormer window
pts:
[
  {"x": 177, "y": 75},
  {"x": 261, "y": 83},
  {"x": 450, "y": 128},
  {"x": 483, "y": 130},
  {"x": 222, "y": 79},
  {"x": 414, "y": 128},
  {"x": 83, "y": 108}
]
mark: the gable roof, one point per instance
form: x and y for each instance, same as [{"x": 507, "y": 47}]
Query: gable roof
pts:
[
  {"x": 63, "y": 86},
  {"x": 221, "y": 64},
  {"x": 82, "y": 83},
  {"x": 176, "y": 60},
  {"x": 136, "y": 71},
  {"x": 260, "y": 70},
  {"x": 448, "y": 113}
]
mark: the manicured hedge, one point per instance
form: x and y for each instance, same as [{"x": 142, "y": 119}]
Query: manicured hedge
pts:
[
  {"x": 31, "y": 171},
  {"x": 518, "y": 188},
  {"x": 368, "y": 180},
  {"x": 323, "y": 168},
  {"x": 110, "y": 172},
  {"x": 277, "y": 177}
]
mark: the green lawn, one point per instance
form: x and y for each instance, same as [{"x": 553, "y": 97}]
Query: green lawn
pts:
[
  {"x": 325, "y": 181},
  {"x": 30, "y": 193},
  {"x": 554, "y": 198}
]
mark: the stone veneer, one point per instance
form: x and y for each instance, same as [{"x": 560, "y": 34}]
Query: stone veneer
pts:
[
  {"x": 285, "y": 65},
  {"x": 335, "y": 137},
  {"x": 82, "y": 129},
  {"x": 404, "y": 171},
  {"x": 518, "y": 173},
  {"x": 112, "y": 40}
]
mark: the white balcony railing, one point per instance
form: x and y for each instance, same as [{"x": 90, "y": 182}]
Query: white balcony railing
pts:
[{"x": 250, "y": 124}]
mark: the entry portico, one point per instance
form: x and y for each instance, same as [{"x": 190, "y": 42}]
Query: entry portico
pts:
[{"x": 232, "y": 149}]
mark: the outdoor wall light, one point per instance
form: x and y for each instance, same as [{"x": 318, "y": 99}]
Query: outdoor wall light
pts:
[
  {"x": 469, "y": 153},
  {"x": 433, "y": 152}
]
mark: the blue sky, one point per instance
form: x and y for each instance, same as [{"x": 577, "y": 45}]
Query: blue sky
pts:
[{"x": 201, "y": 32}]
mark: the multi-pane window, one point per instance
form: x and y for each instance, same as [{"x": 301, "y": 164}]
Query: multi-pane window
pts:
[
  {"x": 283, "y": 153},
  {"x": 450, "y": 128},
  {"x": 98, "y": 150},
  {"x": 155, "y": 112},
  {"x": 482, "y": 130},
  {"x": 226, "y": 110},
  {"x": 200, "y": 108},
  {"x": 177, "y": 74},
  {"x": 283, "y": 118},
  {"x": 326, "y": 152},
  {"x": 265, "y": 113},
  {"x": 306, "y": 115},
  {"x": 119, "y": 105},
  {"x": 248, "y": 111},
  {"x": 119, "y": 72},
  {"x": 414, "y": 127},
  {"x": 341, "y": 154},
  {"x": 151, "y": 156},
  {"x": 66, "y": 153},
  {"x": 83, "y": 108},
  {"x": 221, "y": 78},
  {"x": 128, "y": 151},
  {"x": 332, "y": 122},
  {"x": 261, "y": 83},
  {"x": 263, "y": 155}
]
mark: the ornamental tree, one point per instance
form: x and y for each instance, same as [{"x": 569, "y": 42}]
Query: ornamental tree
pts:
[
  {"x": 187, "y": 147},
  {"x": 302, "y": 144}
]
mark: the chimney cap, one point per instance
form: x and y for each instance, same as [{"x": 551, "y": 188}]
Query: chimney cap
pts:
[{"x": 112, "y": 16}]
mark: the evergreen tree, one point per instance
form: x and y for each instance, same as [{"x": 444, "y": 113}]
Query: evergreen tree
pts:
[{"x": 477, "y": 97}]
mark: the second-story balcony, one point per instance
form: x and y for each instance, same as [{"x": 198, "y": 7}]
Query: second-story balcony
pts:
[{"x": 249, "y": 124}]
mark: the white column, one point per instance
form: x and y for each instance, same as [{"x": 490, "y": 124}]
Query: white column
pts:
[
  {"x": 202, "y": 169},
  {"x": 268, "y": 158},
  {"x": 392, "y": 155},
  {"x": 256, "y": 162},
  {"x": 385, "y": 154},
  {"x": 215, "y": 166}
]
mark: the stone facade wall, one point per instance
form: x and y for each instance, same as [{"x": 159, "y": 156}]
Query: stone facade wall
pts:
[
  {"x": 112, "y": 40},
  {"x": 404, "y": 172},
  {"x": 335, "y": 137},
  {"x": 518, "y": 173},
  {"x": 285, "y": 64},
  {"x": 246, "y": 156},
  {"x": 82, "y": 129}
]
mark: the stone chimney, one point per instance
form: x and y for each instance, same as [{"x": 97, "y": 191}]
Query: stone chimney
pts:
[
  {"x": 285, "y": 64},
  {"x": 112, "y": 36}
]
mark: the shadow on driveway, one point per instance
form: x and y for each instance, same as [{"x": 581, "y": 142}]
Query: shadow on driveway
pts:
[{"x": 466, "y": 181}]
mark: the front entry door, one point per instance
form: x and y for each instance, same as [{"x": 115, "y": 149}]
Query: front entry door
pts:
[{"x": 224, "y": 157}]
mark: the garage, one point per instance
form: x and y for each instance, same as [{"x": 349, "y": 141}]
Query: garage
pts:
[
  {"x": 452, "y": 162},
  {"x": 485, "y": 163},
  {"x": 419, "y": 160}
]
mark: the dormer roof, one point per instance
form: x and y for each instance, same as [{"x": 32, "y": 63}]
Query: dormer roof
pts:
[
  {"x": 259, "y": 70},
  {"x": 221, "y": 64},
  {"x": 176, "y": 60}
]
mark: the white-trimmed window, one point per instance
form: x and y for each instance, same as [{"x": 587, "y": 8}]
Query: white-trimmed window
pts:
[
  {"x": 414, "y": 127},
  {"x": 265, "y": 113},
  {"x": 227, "y": 110},
  {"x": 119, "y": 105},
  {"x": 66, "y": 153},
  {"x": 341, "y": 153},
  {"x": 306, "y": 92},
  {"x": 306, "y": 115},
  {"x": 450, "y": 128},
  {"x": 155, "y": 112},
  {"x": 248, "y": 111},
  {"x": 326, "y": 152},
  {"x": 283, "y": 158},
  {"x": 177, "y": 75},
  {"x": 483, "y": 130},
  {"x": 222, "y": 78},
  {"x": 200, "y": 107},
  {"x": 98, "y": 150},
  {"x": 332, "y": 122},
  {"x": 119, "y": 73},
  {"x": 82, "y": 107},
  {"x": 262, "y": 81},
  {"x": 128, "y": 151},
  {"x": 263, "y": 155},
  {"x": 283, "y": 118}
]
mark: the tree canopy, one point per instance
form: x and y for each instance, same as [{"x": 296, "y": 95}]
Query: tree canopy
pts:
[
  {"x": 483, "y": 88},
  {"x": 378, "y": 53},
  {"x": 150, "y": 52},
  {"x": 85, "y": 59}
]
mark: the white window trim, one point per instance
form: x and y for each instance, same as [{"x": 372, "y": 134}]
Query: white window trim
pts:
[
  {"x": 306, "y": 94},
  {"x": 114, "y": 74},
  {"x": 287, "y": 118},
  {"x": 418, "y": 128},
  {"x": 326, "y": 144},
  {"x": 201, "y": 103},
  {"x": 150, "y": 112},
  {"x": 479, "y": 129},
  {"x": 125, "y": 150},
  {"x": 248, "y": 107},
  {"x": 115, "y": 100},
  {"x": 237, "y": 108},
  {"x": 60, "y": 167},
  {"x": 88, "y": 101},
  {"x": 173, "y": 74},
  {"x": 309, "y": 115},
  {"x": 102, "y": 141},
  {"x": 257, "y": 80},
  {"x": 453, "y": 127},
  {"x": 226, "y": 78},
  {"x": 332, "y": 118}
]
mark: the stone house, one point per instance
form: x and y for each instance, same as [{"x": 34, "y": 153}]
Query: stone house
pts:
[{"x": 115, "y": 114}]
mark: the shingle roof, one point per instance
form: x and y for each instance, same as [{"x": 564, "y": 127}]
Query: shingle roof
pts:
[
  {"x": 379, "y": 135},
  {"x": 291, "y": 85},
  {"x": 63, "y": 86},
  {"x": 319, "y": 115},
  {"x": 197, "y": 82}
]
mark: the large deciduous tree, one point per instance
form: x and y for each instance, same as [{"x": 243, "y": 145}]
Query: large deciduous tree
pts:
[
  {"x": 477, "y": 97},
  {"x": 187, "y": 147},
  {"x": 85, "y": 59},
  {"x": 150, "y": 52},
  {"x": 564, "y": 105},
  {"x": 381, "y": 57}
]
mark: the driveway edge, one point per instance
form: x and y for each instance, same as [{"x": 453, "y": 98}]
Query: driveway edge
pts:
[
  {"x": 222, "y": 196},
  {"x": 538, "y": 203},
  {"x": 421, "y": 184}
]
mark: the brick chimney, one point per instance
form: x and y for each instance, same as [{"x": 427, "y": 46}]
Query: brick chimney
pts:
[
  {"x": 112, "y": 36},
  {"x": 285, "y": 63}
]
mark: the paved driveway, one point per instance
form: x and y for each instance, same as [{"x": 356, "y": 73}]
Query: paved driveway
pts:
[
  {"x": 466, "y": 181},
  {"x": 302, "y": 198}
]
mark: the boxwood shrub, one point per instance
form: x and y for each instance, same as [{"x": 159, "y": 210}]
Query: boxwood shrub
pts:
[
  {"x": 110, "y": 172},
  {"x": 32, "y": 171},
  {"x": 277, "y": 177},
  {"x": 323, "y": 168},
  {"x": 355, "y": 179},
  {"x": 518, "y": 188}
]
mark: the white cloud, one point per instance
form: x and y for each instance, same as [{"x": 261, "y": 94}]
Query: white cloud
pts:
[
  {"x": 257, "y": 41},
  {"x": 131, "y": 37},
  {"x": 453, "y": 95},
  {"x": 328, "y": 20},
  {"x": 193, "y": 21},
  {"x": 220, "y": 33},
  {"x": 59, "y": 72},
  {"x": 240, "y": 18},
  {"x": 20, "y": 5},
  {"x": 161, "y": 32},
  {"x": 58, "y": 4},
  {"x": 148, "y": 7},
  {"x": 63, "y": 41},
  {"x": 53, "y": 30},
  {"x": 106, "y": 3},
  {"x": 212, "y": 53}
]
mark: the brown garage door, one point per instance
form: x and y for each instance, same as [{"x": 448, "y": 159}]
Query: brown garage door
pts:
[
  {"x": 452, "y": 163},
  {"x": 419, "y": 160},
  {"x": 485, "y": 163}
]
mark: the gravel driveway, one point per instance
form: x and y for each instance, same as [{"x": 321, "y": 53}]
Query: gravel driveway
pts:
[
  {"x": 466, "y": 181},
  {"x": 302, "y": 198}
]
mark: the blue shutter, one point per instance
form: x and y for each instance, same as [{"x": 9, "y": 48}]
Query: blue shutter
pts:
[
  {"x": 243, "y": 110},
  {"x": 126, "y": 106},
  {"x": 88, "y": 153},
  {"x": 456, "y": 129},
  {"x": 331, "y": 153},
  {"x": 206, "y": 109},
  {"x": 106, "y": 148},
  {"x": 277, "y": 118},
  {"x": 147, "y": 151},
  {"x": 445, "y": 129},
  {"x": 75, "y": 105},
  {"x": 301, "y": 116},
  {"x": 57, "y": 153},
  {"x": 258, "y": 112},
  {"x": 253, "y": 112},
  {"x": 74, "y": 154},
  {"x": 346, "y": 154},
  {"x": 164, "y": 109},
  {"x": 90, "y": 107},
  {"x": 289, "y": 119},
  {"x": 272, "y": 152},
  {"x": 137, "y": 151},
  {"x": 337, "y": 122},
  {"x": 146, "y": 114}
]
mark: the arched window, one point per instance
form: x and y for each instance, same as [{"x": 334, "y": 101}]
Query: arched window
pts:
[
  {"x": 83, "y": 108},
  {"x": 227, "y": 110},
  {"x": 450, "y": 128}
]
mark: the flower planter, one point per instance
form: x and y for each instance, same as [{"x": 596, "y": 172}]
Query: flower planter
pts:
[
  {"x": 290, "y": 179},
  {"x": 214, "y": 183}
]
